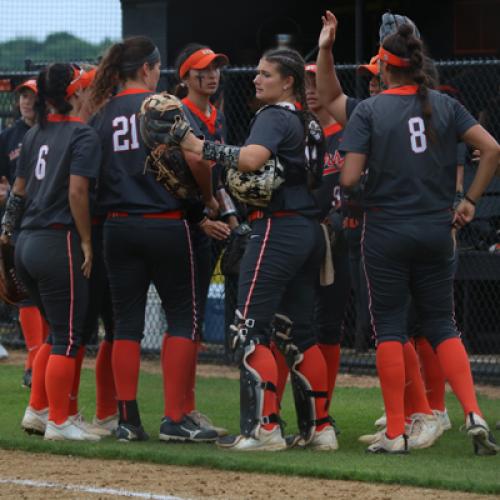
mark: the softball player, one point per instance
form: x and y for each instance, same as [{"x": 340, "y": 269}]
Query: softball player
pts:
[
  {"x": 33, "y": 326},
  {"x": 146, "y": 239},
  {"x": 408, "y": 250},
  {"x": 332, "y": 299},
  {"x": 58, "y": 163},
  {"x": 280, "y": 265},
  {"x": 198, "y": 70}
]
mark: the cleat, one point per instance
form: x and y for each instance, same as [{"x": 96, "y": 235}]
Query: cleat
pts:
[
  {"x": 108, "y": 424},
  {"x": 396, "y": 446},
  {"x": 324, "y": 440},
  {"x": 185, "y": 430},
  {"x": 128, "y": 432},
  {"x": 35, "y": 421},
  {"x": 381, "y": 422},
  {"x": 443, "y": 418},
  {"x": 3, "y": 352},
  {"x": 498, "y": 425},
  {"x": 80, "y": 422},
  {"x": 205, "y": 423},
  {"x": 266, "y": 441},
  {"x": 27, "y": 378},
  {"x": 424, "y": 431},
  {"x": 483, "y": 440},
  {"x": 371, "y": 438},
  {"x": 67, "y": 431}
]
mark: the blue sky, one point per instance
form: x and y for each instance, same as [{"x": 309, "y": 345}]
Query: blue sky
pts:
[{"x": 92, "y": 20}]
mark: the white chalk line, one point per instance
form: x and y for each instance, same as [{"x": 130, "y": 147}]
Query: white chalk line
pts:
[{"x": 88, "y": 489}]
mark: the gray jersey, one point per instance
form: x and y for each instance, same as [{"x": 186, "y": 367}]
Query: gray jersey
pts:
[{"x": 408, "y": 172}]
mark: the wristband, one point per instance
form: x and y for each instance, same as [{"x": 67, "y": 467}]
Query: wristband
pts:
[
  {"x": 470, "y": 200},
  {"x": 226, "y": 155}
]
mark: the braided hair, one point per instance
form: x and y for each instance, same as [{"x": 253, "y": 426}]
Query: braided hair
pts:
[
  {"x": 121, "y": 62},
  {"x": 404, "y": 43},
  {"x": 52, "y": 83}
]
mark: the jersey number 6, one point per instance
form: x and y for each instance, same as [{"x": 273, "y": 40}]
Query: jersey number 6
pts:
[
  {"x": 125, "y": 135},
  {"x": 41, "y": 164},
  {"x": 417, "y": 134}
]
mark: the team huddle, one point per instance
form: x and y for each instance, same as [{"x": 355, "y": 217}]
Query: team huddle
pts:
[{"x": 117, "y": 188}]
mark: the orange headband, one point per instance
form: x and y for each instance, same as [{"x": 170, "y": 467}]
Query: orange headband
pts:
[
  {"x": 200, "y": 60},
  {"x": 81, "y": 80},
  {"x": 393, "y": 59}
]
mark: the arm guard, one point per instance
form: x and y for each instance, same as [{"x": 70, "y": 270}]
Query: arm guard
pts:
[
  {"x": 14, "y": 209},
  {"x": 226, "y": 155}
]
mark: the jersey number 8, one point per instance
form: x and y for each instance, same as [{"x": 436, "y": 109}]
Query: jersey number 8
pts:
[
  {"x": 125, "y": 135},
  {"x": 417, "y": 134},
  {"x": 41, "y": 164}
]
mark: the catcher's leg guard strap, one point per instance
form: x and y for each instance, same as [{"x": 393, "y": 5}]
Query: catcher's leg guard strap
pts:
[
  {"x": 304, "y": 397},
  {"x": 252, "y": 389}
]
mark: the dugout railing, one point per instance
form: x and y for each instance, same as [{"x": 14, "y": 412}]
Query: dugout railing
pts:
[{"x": 476, "y": 83}]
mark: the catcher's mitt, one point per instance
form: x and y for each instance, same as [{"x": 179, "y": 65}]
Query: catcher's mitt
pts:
[
  {"x": 11, "y": 288},
  {"x": 163, "y": 121},
  {"x": 163, "y": 125}
]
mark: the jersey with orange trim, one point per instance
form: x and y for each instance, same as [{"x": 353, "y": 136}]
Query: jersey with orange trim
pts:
[
  {"x": 329, "y": 195},
  {"x": 408, "y": 172},
  {"x": 123, "y": 184},
  {"x": 49, "y": 155}
]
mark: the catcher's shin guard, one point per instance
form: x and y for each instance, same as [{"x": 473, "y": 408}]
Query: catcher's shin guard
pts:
[
  {"x": 303, "y": 394},
  {"x": 252, "y": 390}
]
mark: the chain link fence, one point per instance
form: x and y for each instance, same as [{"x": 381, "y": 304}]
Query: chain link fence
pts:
[{"x": 476, "y": 83}]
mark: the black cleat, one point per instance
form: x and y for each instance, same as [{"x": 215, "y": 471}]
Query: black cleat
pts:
[
  {"x": 128, "y": 432},
  {"x": 185, "y": 430},
  {"x": 27, "y": 378}
]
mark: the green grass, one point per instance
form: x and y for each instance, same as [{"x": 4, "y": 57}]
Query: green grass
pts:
[{"x": 450, "y": 464}]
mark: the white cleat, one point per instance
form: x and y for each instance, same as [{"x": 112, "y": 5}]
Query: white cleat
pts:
[
  {"x": 324, "y": 440},
  {"x": 443, "y": 418},
  {"x": 35, "y": 421},
  {"x": 425, "y": 430},
  {"x": 483, "y": 440},
  {"x": 3, "y": 352},
  {"x": 381, "y": 422},
  {"x": 106, "y": 426},
  {"x": 266, "y": 441},
  {"x": 87, "y": 427},
  {"x": 205, "y": 423},
  {"x": 398, "y": 445},
  {"x": 371, "y": 438},
  {"x": 68, "y": 431}
]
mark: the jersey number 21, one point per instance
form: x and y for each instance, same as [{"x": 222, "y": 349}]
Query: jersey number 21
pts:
[
  {"x": 418, "y": 139},
  {"x": 125, "y": 135}
]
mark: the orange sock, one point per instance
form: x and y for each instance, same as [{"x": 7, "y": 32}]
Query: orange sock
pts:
[
  {"x": 58, "y": 381},
  {"x": 313, "y": 368},
  {"x": 126, "y": 362},
  {"x": 177, "y": 358},
  {"x": 391, "y": 372},
  {"x": 433, "y": 375},
  {"x": 190, "y": 397},
  {"x": 38, "y": 395},
  {"x": 33, "y": 332},
  {"x": 263, "y": 362},
  {"x": 106, "y": 405},
  {"x": 456, "y": 369},
  {"x": 73, "y": 397},
  {"x": 283, "y": 371},
  {"x": 414, "y": 384},
  {"x": 331, "y": 353}
]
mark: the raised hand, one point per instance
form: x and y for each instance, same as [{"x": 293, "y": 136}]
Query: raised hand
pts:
[{"x": 329, "y": 31}]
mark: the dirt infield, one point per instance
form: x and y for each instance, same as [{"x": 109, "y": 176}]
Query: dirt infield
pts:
[{"x": 161, "y": 481}]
